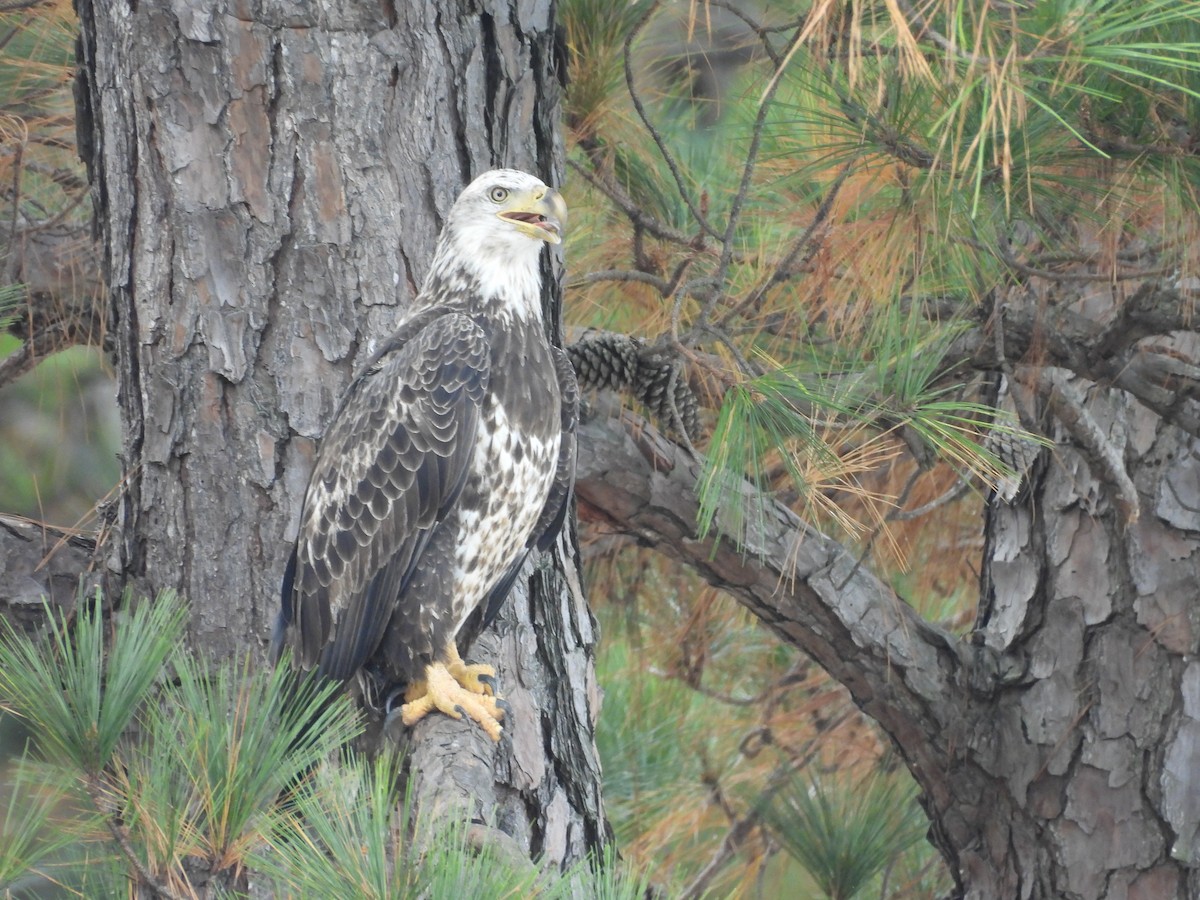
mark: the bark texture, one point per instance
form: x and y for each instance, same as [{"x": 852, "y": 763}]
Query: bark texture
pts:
[
  {"x": 1058, "y": 748},
  {"x": 41, "y": 566},
  {"x": 268, "y": 180},
  {"x": 1095, "y": 738}
]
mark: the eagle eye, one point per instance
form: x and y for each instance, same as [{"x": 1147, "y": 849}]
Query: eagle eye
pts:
[{"x": 498, "y": 194}]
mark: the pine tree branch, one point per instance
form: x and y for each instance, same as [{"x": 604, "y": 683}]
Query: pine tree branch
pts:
[
  {"x": 742, "y": 827},
  {"x": 902, "y": 671},
  {"x": 667, "y": 156},
  {"x": 120, "y": 834},
  {"x": 638, "y": 216},
  {"x": 1069, "y": 407},
  {"x": 1111, "y": 353}
]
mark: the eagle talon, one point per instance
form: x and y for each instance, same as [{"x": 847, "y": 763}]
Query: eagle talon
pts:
[
  {"x": 477, "y": 678},
  {"x": 391, "y": 716},
  {"x": 390, "y": 702},
  {"x": 443, "y": 692}
]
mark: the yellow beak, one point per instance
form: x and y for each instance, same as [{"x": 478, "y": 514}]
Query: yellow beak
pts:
[{"x": 541, "y": 214}]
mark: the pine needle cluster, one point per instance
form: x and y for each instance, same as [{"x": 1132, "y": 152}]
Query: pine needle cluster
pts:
[{"x": 148, "y": 771}]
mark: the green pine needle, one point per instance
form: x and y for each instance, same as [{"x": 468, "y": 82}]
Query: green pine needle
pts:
[
  {"x": 348, "y": 835},
  {"x": 223, "y": 745},
  {"x": 845, "y": 834},
  {"x": 79, "y": 693}
]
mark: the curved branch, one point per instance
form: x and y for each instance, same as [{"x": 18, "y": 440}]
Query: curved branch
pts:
[
  {"x": 1108, "y": 353},
  {"x": 697, "y": 213},
  {"x": 903, "y": 672},
  {"x": 925, "y": 30},
  {"x": 1069, "y": 407},
  {"x": 638, "y": 216}
]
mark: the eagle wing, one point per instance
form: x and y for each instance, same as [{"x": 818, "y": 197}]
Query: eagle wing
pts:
[
  {"x": 392, "y": 464},
  {"x": 554, "y": 513}
]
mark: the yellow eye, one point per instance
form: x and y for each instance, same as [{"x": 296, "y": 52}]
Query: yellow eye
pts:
[{"x": 498, "y": 194}]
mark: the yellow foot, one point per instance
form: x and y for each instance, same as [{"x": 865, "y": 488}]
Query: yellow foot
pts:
[
  {"x": 479, "y": 678},
  {"x": 442, "y": 691}
]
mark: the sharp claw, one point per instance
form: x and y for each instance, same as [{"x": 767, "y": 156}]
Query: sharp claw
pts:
[
  {"x": 390, "y": 704},
  {"x": 458, "y": 694},
  {"x": 502, "y": 704}
]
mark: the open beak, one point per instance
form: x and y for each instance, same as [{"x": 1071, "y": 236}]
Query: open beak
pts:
[{"x": 541, "y": 214}]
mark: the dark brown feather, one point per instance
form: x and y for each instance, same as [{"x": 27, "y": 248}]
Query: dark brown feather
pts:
[{"x": 392, "y": 463}]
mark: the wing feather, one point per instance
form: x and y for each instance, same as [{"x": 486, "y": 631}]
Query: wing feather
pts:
[
  {"x": 554, "y": 514},
  {"x": 393, "y": 462}
]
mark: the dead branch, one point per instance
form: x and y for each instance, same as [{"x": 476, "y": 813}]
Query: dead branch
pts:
[{"x": 1068, "y": 406}]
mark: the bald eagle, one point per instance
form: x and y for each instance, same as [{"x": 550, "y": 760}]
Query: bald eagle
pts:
[{"x": 447, "y": 461}]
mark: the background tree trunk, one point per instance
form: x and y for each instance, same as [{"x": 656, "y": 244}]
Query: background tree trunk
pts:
[
  {"x": 269, "y": 181},
  {"x": 1094, "y": 743}
]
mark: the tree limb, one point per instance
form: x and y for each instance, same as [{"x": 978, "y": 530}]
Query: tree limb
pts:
[
  {"x": 1068, "y": 405},
  {"x": 664, "y": 151},
  {"x": 1108, "y": 353},
  {"x": 807, "y": 588}
]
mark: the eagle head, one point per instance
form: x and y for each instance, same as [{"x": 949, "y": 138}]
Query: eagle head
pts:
[{"x": 507, "y": 213}]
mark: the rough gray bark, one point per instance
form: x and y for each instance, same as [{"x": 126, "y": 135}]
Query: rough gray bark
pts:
[
  {"x": 268, "y": 180},
  {"x": 41, "y": 566},
  {"x": 1095, "y": 739},
  {"x": 1059, "y": 751}
]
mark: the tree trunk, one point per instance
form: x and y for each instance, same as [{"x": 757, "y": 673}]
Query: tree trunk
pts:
[
  {"x": 1093, "y": 745},
  {"x": 269, "y": 181}
]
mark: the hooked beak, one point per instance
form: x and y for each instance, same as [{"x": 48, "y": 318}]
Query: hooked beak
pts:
[{"x": 541, "y": 214}]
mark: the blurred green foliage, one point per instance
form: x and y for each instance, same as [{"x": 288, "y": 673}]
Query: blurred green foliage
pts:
[
  {"x": 58, "y": 422},
  {"x": 59, "y": 438}
]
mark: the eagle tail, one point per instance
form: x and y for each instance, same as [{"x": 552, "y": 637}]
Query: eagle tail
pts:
[{"x": 284, "y": 619}]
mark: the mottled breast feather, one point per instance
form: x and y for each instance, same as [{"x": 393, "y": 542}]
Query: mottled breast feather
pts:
[
  {"x": 392, "y": 464},
  {"x": 558, "y": 500}
]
